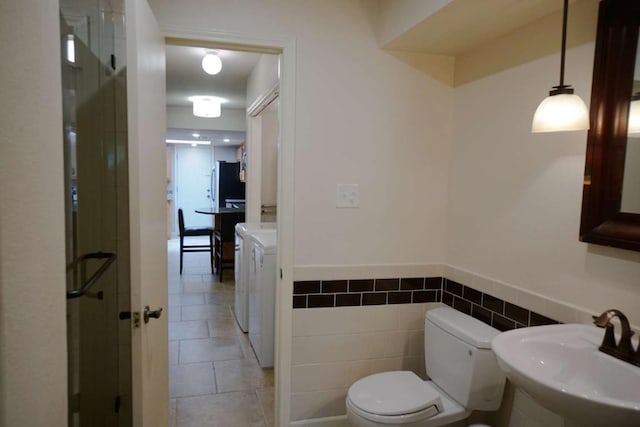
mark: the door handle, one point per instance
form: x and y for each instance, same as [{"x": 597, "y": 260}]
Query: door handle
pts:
[{"x": 151, "y": 314}]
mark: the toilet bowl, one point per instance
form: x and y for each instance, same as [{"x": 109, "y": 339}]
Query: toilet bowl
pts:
[
  {"x": 400, "y": 397},
  {"x": 464, "y": 376}
]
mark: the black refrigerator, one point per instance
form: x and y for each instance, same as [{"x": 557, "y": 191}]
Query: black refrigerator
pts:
[{"x": 225, "y": 183}]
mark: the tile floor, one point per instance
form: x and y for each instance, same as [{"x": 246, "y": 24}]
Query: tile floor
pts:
[{"x": 214, "y": 377}]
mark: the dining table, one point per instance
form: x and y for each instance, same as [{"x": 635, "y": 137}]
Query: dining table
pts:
[{"x": 224, "y": 223}]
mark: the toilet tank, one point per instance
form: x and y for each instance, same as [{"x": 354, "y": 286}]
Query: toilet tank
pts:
[{"x": 460, "y": 361}]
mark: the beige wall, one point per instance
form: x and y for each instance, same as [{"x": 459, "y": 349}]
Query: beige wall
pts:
[
  {"x": 183, "y": 118},
  {"x": 33, "y": 364},
  {"x": 362, "y": 117},
  {"x": 515, "y": 197}
]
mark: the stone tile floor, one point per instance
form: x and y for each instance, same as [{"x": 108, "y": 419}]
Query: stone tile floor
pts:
[{"x": 214, "y": 377}]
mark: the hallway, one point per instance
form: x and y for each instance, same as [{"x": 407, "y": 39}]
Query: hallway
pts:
[{"x": 214, "y": 377}]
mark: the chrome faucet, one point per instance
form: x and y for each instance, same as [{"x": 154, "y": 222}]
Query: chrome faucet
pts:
[{"x": 622, "y": 350}]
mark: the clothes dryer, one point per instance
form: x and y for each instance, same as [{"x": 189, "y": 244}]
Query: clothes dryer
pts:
[
  {"x": 241, "y": 269},
  {"x": 262, "y": 301}
]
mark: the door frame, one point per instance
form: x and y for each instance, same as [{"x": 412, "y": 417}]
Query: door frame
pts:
[{"x": 284, "y": 288}]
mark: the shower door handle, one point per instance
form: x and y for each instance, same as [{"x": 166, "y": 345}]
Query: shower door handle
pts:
[{"x": 108, "y": 258}]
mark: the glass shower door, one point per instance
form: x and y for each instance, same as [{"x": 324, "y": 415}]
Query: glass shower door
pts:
[{"x": 96, "y": 206}]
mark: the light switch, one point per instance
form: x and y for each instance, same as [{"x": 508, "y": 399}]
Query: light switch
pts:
[{"x": 347, "y": 196}]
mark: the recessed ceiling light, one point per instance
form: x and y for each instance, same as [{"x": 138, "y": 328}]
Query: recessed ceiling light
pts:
[
  {"x": 195, "y": 135},
  {"x": 226, "y": 140},
  {"x": 188, "y": 141}
]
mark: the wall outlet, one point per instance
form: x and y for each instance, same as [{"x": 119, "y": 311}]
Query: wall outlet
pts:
[{"x": 347, "y": 196}]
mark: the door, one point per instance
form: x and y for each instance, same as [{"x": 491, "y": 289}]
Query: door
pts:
[
  {"x": 96, "y": 239},
  {"x": 147, "y": 213},
  {"x": 193, "y": 183}
]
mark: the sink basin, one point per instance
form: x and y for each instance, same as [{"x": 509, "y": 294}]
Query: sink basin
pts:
[{"x": 561, "y": 367}]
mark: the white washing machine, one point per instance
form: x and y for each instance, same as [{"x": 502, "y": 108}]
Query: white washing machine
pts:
[
  {"x": 241, "y": 269},
  {"x": 262, "y": 300}
]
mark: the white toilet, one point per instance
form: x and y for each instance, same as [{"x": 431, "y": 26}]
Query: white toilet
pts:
[{"x": 464, "y": 377}]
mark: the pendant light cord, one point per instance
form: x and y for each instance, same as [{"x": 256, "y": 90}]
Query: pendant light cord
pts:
[{"x": 564, "y": 41}]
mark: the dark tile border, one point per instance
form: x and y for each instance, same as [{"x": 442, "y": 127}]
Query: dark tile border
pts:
[{"x": 493, "y": 311}]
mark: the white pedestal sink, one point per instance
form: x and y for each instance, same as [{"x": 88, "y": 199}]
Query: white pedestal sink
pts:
[{"x": 561, "y": 367}]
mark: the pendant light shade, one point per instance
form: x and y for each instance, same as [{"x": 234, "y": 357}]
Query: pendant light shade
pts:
[
  {"x": 634, "y": 116},
  {"x": 561, "y": 110},
  {"x": 211, "y": 63}
]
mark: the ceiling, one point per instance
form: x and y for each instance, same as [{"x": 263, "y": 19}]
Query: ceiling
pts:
[
  {"x": 461, "y": 25},
  {"x": 186, "y": 78}
]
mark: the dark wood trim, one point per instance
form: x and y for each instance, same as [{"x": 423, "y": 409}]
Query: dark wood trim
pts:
[{"x": 602, "y": 221}]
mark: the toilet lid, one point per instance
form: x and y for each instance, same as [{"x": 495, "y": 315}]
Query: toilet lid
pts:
[{"x": 393, "y": 393}]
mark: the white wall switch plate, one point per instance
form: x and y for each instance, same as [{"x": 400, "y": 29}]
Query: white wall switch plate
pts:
[{"x": 347, "y": 196}]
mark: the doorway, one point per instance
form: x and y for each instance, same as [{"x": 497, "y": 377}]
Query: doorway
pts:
[
  {"x": 213, "y": 368},
  {"x": 192, "y": 189}
]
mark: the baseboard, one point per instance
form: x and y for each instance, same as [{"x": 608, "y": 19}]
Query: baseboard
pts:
[{"x": 339, "y": 421}]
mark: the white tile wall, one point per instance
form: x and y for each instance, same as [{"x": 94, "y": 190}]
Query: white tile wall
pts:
[{"x": 334, "y": 347}]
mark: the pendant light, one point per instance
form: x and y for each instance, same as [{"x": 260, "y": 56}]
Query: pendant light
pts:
[
  {"x": 561, "y": 110},
  {"x": 211, "y": 63}
]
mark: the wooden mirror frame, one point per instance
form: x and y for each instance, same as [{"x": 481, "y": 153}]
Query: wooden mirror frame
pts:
[{"x": 602, "y": 221}]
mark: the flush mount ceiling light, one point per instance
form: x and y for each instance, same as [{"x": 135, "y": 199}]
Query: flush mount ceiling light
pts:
[
  {"x": 634, "y": 116},
  {"x": 211, "y": 63},
  {"x": 206, "y": 106},
  {"x": 561, "y": 110}
]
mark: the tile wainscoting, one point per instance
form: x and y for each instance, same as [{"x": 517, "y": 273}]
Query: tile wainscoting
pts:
[
  {"x": 485, "y": 307},
  {"x": 340, "y": 334}
]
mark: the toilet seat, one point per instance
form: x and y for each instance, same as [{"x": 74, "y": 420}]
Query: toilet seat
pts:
[
  {"x": 393, "y": 394},
  {"x": 414, "y": 417},
  {"x": 365, "y": 403}
]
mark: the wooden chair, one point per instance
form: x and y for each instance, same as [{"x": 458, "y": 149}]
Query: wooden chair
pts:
[
  {"x": 225, "y": 241},
  {"x": 191, "y": 232}
]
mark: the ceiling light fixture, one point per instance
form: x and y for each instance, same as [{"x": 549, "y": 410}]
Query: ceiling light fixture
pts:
[
  {"x": 226, "y": 140},
  {"x": 211, "y": 63},
  {"x": 561, "y": 110},
  {"x": 195, "y": 135},
  {"x": 633, "y": 128},
  {"x": 206, "y": 106}
]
